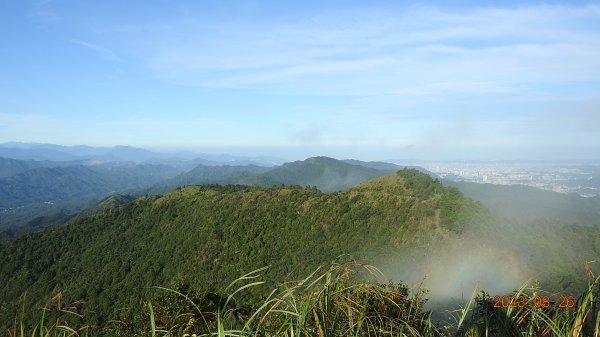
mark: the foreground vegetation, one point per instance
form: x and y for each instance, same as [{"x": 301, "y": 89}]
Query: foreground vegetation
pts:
[{"x": 341, "y": 300}]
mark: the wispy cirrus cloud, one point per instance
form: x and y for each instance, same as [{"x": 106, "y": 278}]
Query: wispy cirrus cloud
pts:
[
  {"x": 101, "y": 51},
  {"x": 375, "y": 52},
  {"x": 44, "y": 12},
  {"x": 398, "y": 76}
]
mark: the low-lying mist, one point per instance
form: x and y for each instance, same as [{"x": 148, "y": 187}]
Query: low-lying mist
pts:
[
  {"x": 498, "y": 259},
  {"x": 453, "y": 271}
]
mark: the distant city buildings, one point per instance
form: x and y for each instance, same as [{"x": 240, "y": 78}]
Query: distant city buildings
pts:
[{"x": 580, "y": 179}]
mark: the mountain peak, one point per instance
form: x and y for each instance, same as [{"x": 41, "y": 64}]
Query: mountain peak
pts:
[{"x": 321, "y": 159}]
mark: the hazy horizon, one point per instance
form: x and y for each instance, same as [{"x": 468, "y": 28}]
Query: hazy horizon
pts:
[
  {"x": 435, "y": 81},
  {"x": 301, "y": 153}
]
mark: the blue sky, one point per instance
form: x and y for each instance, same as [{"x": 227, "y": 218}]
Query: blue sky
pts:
[{"x": 368, "y": 80}]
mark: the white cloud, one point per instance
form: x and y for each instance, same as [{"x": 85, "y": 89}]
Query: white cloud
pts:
[
  {"x": 378, "y": 53},
  {"x": 403, "y": 78}
]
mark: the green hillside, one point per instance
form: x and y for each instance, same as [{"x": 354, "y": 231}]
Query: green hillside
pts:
[
  {"x": 46, "y": 191},
  {"x": 207, "y": 236}
]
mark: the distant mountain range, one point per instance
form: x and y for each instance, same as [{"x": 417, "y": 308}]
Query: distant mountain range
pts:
[
  {"x": 38, "y": 151},
  {"x": 35, "y": 189},
  {"x": 326, "y": 174},
  {"x": 42, "y": 193},
  {"x": 183, "y": 160}
]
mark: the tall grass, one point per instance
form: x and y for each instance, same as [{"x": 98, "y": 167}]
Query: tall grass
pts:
[
  {"x": 55, "y": 320},
  {"x": 341, "y": 300},
  {"x": 481, "y": 318},
  {"x": 331, "y": 302}
]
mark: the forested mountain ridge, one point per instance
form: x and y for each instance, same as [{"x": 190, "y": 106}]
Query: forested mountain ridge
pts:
[
  {"x": 210, "y": 235},
  {"x": 327, "y": 174},
  {"x": 45, "y": 193}
]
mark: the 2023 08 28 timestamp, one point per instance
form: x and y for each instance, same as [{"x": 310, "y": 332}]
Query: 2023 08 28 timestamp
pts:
[{"x": 537, "y": 302}]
